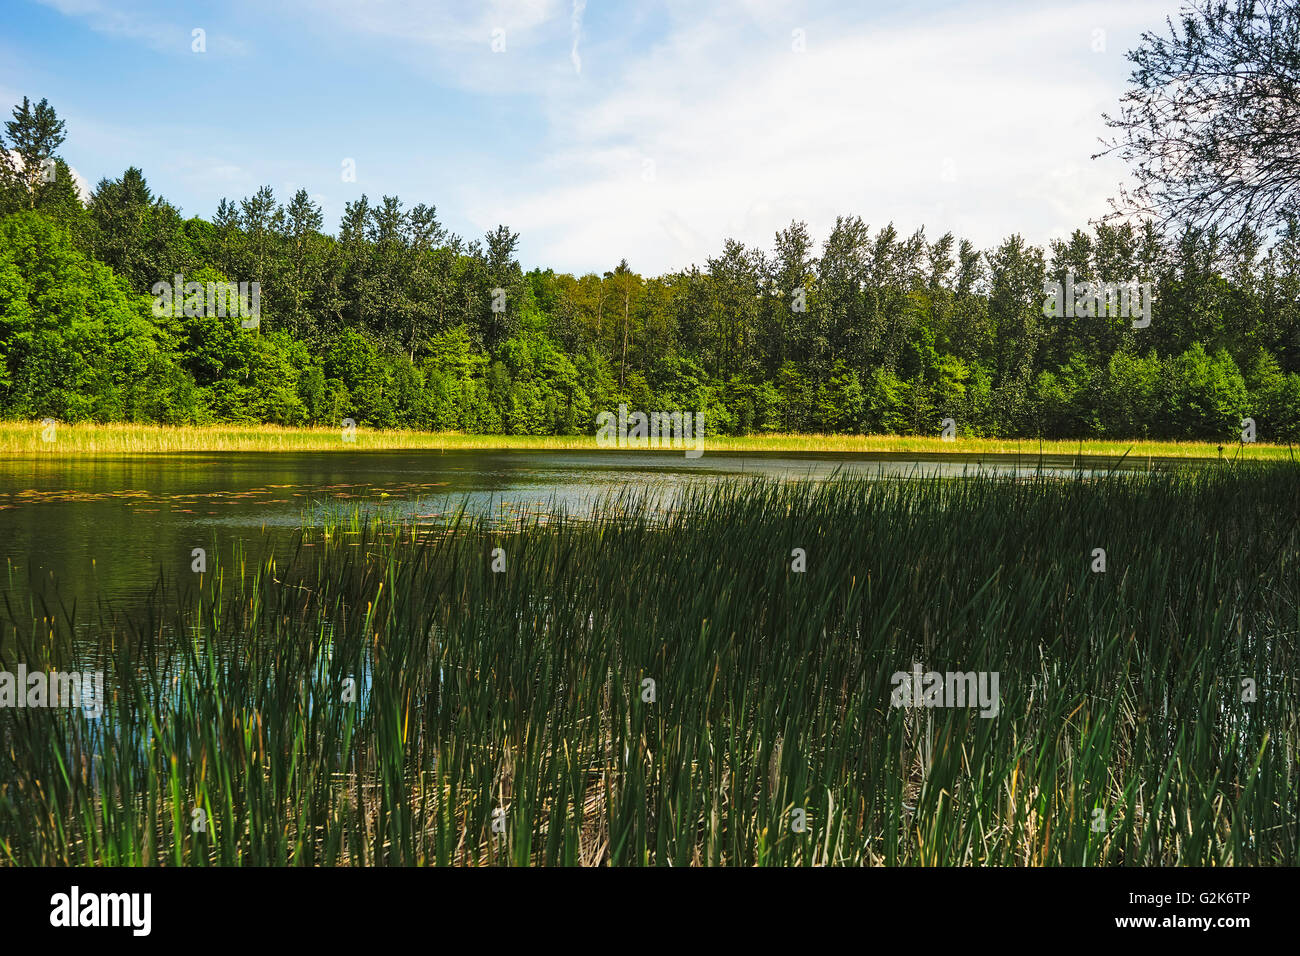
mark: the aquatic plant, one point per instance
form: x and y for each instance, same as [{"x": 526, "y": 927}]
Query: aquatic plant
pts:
[{"x": 714, "y": 683}]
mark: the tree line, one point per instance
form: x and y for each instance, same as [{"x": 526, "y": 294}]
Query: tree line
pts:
[{"x": 395, "y": 321}]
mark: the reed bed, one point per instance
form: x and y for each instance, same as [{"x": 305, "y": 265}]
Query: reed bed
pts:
[
  {"x": 28, "y": 439},
  {"x": 504, "y": 717}
]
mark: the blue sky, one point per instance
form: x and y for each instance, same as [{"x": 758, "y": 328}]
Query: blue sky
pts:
[{"x": 602, "y": 130}]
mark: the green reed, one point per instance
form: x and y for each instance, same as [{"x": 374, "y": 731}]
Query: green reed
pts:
[{"x": 384, "y": 697}]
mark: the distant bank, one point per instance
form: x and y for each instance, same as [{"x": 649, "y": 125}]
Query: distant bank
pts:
[{"x": 29, "y": 439}]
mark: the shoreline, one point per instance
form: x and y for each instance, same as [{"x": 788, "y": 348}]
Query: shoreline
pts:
[{"x": 27, "y": 440}]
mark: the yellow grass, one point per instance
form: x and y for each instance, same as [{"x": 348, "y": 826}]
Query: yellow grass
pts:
[{"x": 26, "y": 439}]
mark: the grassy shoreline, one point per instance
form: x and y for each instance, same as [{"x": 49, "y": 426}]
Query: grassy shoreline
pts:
[{"x": 25, "y": 439}]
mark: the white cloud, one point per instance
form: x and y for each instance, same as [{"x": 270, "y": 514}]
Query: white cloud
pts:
[
  {"x": 78, "y": 180},
  {"x": 745, "y": 134}
]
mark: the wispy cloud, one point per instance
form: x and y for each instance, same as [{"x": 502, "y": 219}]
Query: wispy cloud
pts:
[
  {"x": 578, "y": 7},
  {"x": 498, "y": 46},
  {"x": 131, "y": 24}
]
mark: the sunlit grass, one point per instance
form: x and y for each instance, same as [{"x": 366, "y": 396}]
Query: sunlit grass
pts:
[
  {"x": 28, "y": 439},
  {"x": 524, "y": 691}
]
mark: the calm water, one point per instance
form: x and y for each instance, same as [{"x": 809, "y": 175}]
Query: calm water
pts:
[{"x": 105, "y": 527}]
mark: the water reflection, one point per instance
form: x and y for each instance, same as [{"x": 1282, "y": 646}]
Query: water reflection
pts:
[{"x": 105, "y": 528}]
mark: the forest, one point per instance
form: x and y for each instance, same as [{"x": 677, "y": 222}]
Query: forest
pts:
[{"x": 394, "y": 321}]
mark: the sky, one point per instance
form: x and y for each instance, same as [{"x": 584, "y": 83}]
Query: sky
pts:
[{"x": 597, "y": 130}]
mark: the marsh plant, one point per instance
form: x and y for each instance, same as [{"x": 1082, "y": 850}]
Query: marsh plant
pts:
[
  {"x": 22, "y": 688},
  {"x": 652, "y": 686},
  {"x": 954, "y": 689}
]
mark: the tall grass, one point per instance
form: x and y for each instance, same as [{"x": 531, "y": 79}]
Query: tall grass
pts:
[
  {"x": 27, "y": 439},
  {"x": 520, "y": 696}
]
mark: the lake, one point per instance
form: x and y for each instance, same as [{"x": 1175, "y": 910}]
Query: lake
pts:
[{"x": 105, "y": 527}]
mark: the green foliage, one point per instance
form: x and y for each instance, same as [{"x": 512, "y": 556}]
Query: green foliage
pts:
[
  {"x": 397, "y": 322},
  {"x": 76, "y": 345},
  {"x": 1207, "y": 394}
]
